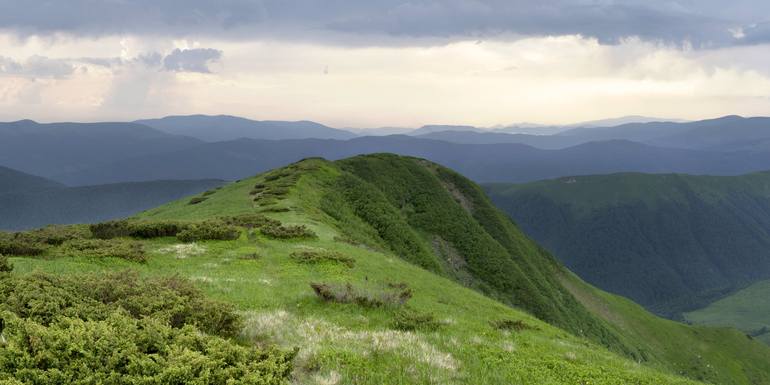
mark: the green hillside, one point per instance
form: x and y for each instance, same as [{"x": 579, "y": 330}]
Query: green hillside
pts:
[
  {"x": 748, "y": 310},
  {"x": 671, "y": 242},
  {"x": 375, "y": 269}
]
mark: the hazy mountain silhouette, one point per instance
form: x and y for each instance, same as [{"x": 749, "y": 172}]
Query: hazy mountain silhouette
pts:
[{"x": 223, "y": 128}]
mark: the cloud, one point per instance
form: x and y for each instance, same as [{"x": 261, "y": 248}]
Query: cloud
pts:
[
  {"x": 191, "y": 60},
  {"x": 703, "y": 22},
  {"x": 37, "y": 67}
]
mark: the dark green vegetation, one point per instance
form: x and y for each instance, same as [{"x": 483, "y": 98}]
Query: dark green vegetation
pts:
[
  {"x": 410, "y": 309},
  {"x": 121, "y": 329},
  {"x": 747, "y": 309},
  {"x": 673, "y": 243}
]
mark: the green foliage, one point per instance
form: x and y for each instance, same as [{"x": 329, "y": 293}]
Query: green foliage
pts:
[
  {"x": 43, "y": 298},
  {"x": 111, "y": 229},
  {"x": 20, "y": 244},
  {"x": 512, "y": 325},
  {"x": 5, "y": 264},
  {"x": 409, "y": 319},
  {"x": 391, "y": 296},
  {"x": 251, "y": 221},
  {"x": 673, "y": 243},
  {"x": 287, "y": 232},
  {"x": 123, "y": 350},
  {"x": 208, "y": 230},
  {"x": 196, "y": 200},
  {"x": 322, "y": 256},
  {"x": 155, "y": 229},
  {"x": 102, "y": 248},
  {"x": 365, "y": 215}
]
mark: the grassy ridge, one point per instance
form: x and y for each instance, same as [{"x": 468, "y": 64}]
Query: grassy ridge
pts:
[{"x": 347, "y": 343}]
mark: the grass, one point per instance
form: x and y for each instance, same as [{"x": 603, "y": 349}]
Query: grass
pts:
[
  {"x": 451, "y": 335},
  {"x": 747, "y": 310}
]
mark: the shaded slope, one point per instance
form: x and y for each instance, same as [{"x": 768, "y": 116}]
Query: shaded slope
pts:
[
  {"x": 57, "y": 148},
  {"x": 15, "y": 181},
  {"x": 480, "y": 162},
  {"x": 63, "y": 205},
  {"x": 670, "y": 242}
]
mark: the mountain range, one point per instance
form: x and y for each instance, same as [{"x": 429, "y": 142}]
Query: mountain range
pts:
[
  {"x": 377, "y": 269},
  {"x": 28, "y": 201}
]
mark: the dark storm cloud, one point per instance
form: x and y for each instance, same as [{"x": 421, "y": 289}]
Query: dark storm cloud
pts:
[
  {"x": 702, "y": 22},
  {"x": 191, "y": 60}
]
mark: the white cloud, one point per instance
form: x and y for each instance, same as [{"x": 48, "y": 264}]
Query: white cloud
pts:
[{"x": 553, "y": 80}]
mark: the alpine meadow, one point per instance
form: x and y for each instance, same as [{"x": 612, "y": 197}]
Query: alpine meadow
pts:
[{"x": 385, "y": 192}]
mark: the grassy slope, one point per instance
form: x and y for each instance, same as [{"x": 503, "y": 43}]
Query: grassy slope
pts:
[
  {"x": 748, "y": 310},
  {"x": 671, "y": 242},
  {"x": 347, "y": 344}
]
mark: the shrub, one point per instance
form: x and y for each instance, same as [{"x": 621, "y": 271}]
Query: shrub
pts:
[
  {"x": 111, "y": 229},
  {"x": 408, "y": 319},
  {"x": 57, "y": 234},
  {"x": 21, "y": 244},
  {"x": 196, "y": 200},
  {"x": 149, "y": 230},
  {"x": 511, "y": 325},
  {"x": 123, "y": 350},
  {"x": 175, "y": 301},
  {"x": 251, "y": 221},
  {"x": 101, "y": 248},
  {"x": 322, "y": 256},
  {"x": 364, "y": 298},
  {"x": 209, "y": 230},
  {"x": 5, "y": 264},
  {"x": 275, "y": 210},
  {"x": 287, "y": 232}
]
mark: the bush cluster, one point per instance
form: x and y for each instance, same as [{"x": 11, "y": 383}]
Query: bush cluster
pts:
[
  {"x": 511, "y": 325},
  {"x": 196, "y": 200},
  {"x": 251, "y": 221},
  {"x": 5, "y": 264},
  {"x": 121, "y": 329},
  {"x": 208, "y": 230},
  {"x": 18, "y": 244},
  {"x": 408, "y": 319},
  {"x": 101, "y": 248},
  {"x": 287, "y": 232},
  {"x": 173, "y": 300},
  {"x": 365, "y": 298},
  {"x": 322, "y": 256}
]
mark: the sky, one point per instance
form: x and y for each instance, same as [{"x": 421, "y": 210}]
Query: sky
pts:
[{"x": 376, "y": 63}]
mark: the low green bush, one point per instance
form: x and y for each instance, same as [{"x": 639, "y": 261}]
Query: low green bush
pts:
[
  {"x": 121, "y": 350},
  {"x": 250, "y": 221},
  {"x": 122, "y": 329},
  {"x": 511, "y": 325},
  {"x": 21, "y": 245},
  {"x": 101, "y": 248},
  {"x": 148, "y": 230},
  {"x": 175, "y": 301},
  {"x": 209, "y": 230},
  {"x": 57, "y": 234},
  {"x": 364, "y": 298},
  {"x": 110, "y": 229},
  {"x": 196, "y": 200},
  {"x": 5, "y": 264},
  {"x": 322, "y": 256},
  {"x": 408, "y": 319},
  {"x": 287, "y": 232}
]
